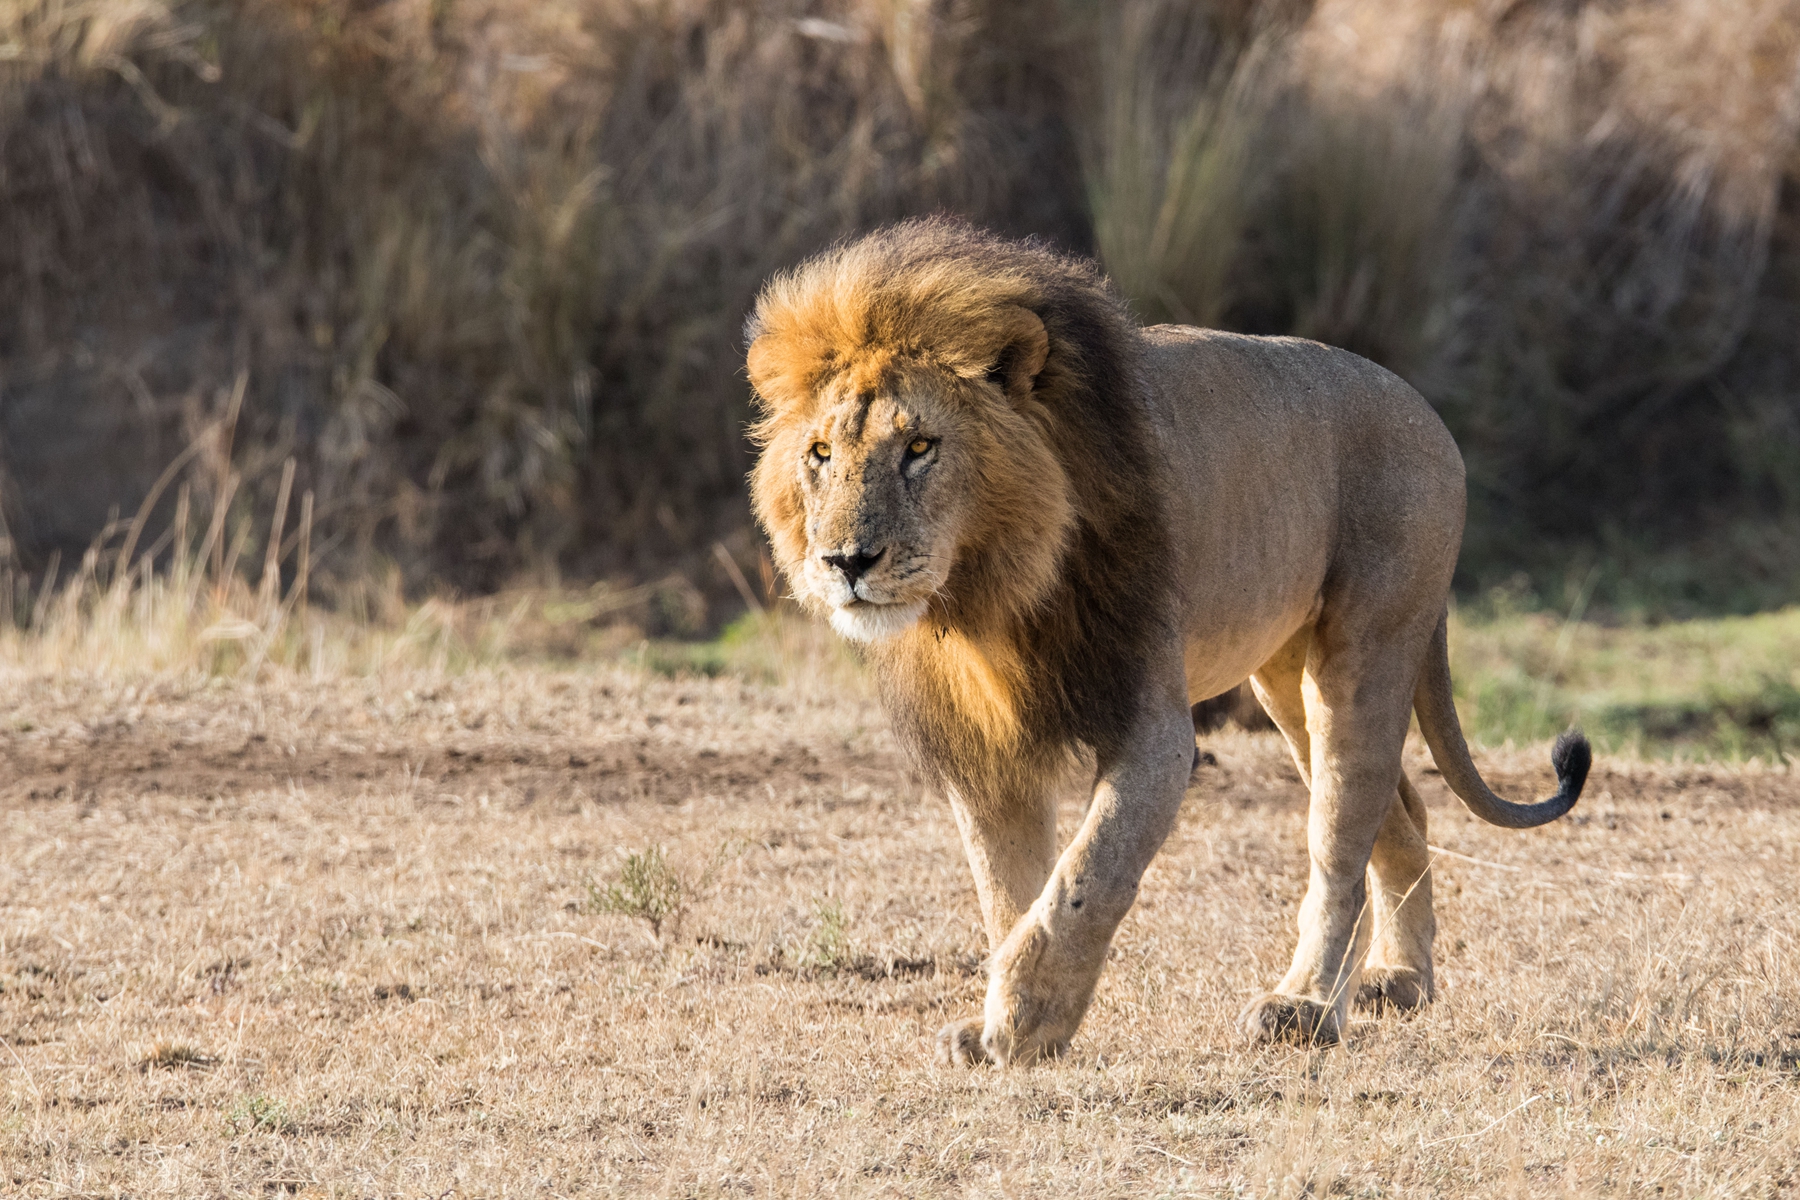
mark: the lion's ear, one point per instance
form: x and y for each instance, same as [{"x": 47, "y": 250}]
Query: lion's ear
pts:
[{"x": 1020, "y": 355}]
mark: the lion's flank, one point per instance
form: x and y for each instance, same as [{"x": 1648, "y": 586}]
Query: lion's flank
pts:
[{"x": 992, "y": 683}]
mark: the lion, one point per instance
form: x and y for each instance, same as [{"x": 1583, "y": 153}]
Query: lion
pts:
[{"x": 1052, "y": 530}]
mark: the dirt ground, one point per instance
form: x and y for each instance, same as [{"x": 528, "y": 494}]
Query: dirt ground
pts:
[{"x": 340, "y": 938}]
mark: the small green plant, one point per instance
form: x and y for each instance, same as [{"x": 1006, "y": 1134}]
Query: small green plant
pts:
[
  {"x": 647, "y": 889},
  {"x": 652, "y": 891},
  {"x": 262, "y": 1113},
  {"x": 829, "y": 947}
]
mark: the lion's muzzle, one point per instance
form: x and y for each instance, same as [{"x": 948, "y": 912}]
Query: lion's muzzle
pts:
[
  {"x": 853, "y": 564},
  {"x": 860, "y": 589}
]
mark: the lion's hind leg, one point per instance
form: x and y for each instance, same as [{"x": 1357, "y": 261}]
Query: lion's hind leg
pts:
[
  {"x": 1398, "y": 972},
  {"x": 1281, "y": 1015},
  {"x": 1277, "y": 687},
  {"x": 1354, "y": 684}
]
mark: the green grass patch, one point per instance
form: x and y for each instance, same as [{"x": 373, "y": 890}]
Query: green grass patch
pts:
[{"x": 1726, "y": 688}]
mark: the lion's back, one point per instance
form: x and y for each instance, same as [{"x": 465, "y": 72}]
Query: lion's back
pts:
[{"x": 1286, "y": 404}]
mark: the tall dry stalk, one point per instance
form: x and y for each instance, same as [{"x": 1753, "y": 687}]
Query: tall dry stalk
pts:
[
  {"x": 1173, "y": 176},
  {"x": 177, "y": 606}
]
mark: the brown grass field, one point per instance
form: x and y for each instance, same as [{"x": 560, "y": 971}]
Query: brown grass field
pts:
[
  {"x": 342, "y": 936},
  {"x": 310, "y": 888}
]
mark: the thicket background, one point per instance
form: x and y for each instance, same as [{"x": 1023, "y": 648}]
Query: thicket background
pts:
[{"x": 480, "y": 266}]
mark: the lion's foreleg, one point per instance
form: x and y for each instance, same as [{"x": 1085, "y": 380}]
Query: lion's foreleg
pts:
[
  {"x": 1010, "y": 838},
  {"x": 1042, "y": 977},
  {"x": 1011, "y": 844}
]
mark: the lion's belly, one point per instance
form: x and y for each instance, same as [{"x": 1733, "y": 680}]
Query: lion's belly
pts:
[
  {"x": 1219, "y": 663},
  {"x": 1232, "y": 626},
  {"x": 1253, "y": 569}
]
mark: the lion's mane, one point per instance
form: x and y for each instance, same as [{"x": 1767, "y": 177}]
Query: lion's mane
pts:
[{"x": 996, "y": 684}]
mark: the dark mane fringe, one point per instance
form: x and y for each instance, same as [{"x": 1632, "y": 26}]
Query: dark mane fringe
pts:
[{"x": 1083, "y": 649}]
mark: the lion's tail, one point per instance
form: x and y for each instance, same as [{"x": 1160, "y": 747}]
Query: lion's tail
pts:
[{"x": 1443, "y": 733}]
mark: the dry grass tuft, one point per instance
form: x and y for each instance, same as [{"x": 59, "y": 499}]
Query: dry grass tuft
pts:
[{"x": 173, "y": 1056}]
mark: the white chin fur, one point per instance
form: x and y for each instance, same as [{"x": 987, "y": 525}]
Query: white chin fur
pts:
[{"x": 876, "y": 622}]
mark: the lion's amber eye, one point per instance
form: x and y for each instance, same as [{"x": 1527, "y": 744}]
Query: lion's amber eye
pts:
[
  {"x": 919, "y": 446},
  {"x": 821, "y": 449}
]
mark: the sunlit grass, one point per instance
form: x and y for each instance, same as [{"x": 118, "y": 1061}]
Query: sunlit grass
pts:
[{"x": 1725, "y": 688}]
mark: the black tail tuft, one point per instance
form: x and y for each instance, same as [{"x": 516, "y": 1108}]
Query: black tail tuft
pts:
[{"x": 1571, "y": 756}]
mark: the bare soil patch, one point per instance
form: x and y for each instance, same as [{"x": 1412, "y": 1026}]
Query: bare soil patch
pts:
[{"x": 338, "y": 938}]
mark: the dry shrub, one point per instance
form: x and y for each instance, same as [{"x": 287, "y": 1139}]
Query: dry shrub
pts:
[
  {"x": 484, "y": 265},
  {"x": 1565, "y": 223}
]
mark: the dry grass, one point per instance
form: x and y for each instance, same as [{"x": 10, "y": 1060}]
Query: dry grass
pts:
[
  {"x": 485, "y": 264},
  {"x": 211, "y": 612},
  {"x": 339, "y": 937}
]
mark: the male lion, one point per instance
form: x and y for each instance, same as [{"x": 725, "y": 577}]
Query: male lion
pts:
[{"x": 1053, "y": 530}]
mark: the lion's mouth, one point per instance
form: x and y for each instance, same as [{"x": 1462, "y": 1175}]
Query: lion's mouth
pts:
[{"x": 873, "y": 621}]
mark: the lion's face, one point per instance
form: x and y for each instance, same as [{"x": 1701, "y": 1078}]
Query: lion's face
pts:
[
  {"x": 884, "y": 483},
  {"x": 894, "y": 481}
]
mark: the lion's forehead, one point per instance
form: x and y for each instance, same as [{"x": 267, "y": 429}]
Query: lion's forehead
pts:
[
  {"x": 868, "y": 372},
  {"x": 865, "y": 419},
  {"x": 901, "y": 403}
]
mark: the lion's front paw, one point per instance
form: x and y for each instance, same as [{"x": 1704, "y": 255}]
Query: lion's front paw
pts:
[
  {"x": 1273, "y": 1017},
  {"x": 1399, "y": 988},
  {"x": 1036, "y": 997},
  {"x": 1012, "y": 1047},
  {"x": 959, "y": 1043}
]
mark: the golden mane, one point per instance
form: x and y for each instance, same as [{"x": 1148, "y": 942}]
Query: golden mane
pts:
[{"x": 996, "y": 684}]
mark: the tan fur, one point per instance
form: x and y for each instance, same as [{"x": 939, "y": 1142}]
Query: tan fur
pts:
[
  {"x": 1055, "y": 531},
  {"x": 983, "y": 683}
]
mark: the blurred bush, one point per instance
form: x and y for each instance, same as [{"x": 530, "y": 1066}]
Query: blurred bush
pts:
[
  {"x": 1571, "y": 225},
  {"x": 483, "y": 265}
]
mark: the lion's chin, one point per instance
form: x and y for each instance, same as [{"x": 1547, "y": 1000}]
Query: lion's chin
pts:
[{"x": 866, "y": 622}]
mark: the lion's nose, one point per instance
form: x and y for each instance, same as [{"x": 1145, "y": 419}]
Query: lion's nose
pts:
[{"x": 853, "y": 564}]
